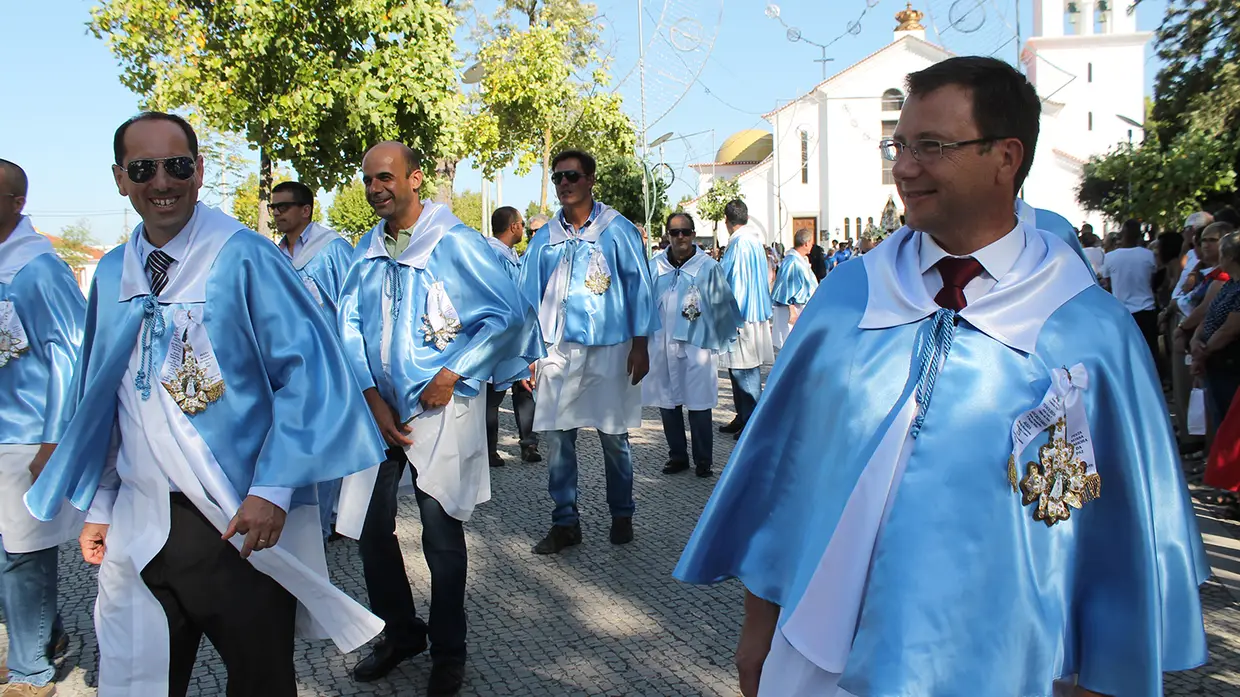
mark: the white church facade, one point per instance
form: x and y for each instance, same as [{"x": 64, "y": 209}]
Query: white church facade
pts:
[{"x": 819, "y": 166}]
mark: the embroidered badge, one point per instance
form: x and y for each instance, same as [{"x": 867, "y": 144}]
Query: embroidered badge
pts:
[
  {"x": 1059, "y": 479},
  {"x": 692, "y": 307},
  {"x": 598, "y": 275},
  {"x": 313, "y": 288},
  {"x": 13, "y": 342},
  {"x": 441, "y": 323},
  {"x": 191, "y": 374}
]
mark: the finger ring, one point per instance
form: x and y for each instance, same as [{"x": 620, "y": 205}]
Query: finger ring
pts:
[{"x": 262, "y": 541}]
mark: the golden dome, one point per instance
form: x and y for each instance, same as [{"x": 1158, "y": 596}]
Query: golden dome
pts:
[{"x": 750, "y": 145}]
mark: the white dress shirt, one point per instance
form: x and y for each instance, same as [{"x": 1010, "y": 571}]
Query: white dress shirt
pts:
[
  {"x": 996, "y": 258},
  {"x": 1131, "y": 270},
  {"x": 1178, "y": 296}
]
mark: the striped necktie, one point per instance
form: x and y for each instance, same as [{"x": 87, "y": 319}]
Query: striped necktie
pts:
[{"x": 157, "y": 268}]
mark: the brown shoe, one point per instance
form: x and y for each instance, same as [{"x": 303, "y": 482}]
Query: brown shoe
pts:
[{"x": 25, "y": 689}]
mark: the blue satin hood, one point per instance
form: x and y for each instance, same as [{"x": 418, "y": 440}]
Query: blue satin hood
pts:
[
  {"x": 744, "y": 265},
  {"x": 720, "y": 318},
  {"x": 327, "y": 270},
  {"x": 793, "y": 284}
]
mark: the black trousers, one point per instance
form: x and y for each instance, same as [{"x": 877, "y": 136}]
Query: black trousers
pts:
[
  {"x": 1147, "y": 322},
  {"x": 205, "y": 587},
  {"x": 387, "y": 584},
  {"x": 522, "y": 406}
]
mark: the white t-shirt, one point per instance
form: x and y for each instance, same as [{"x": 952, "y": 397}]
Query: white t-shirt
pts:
[
  {"x": 1131, "y": 270},
  {"x": 1095, "y": 255}
]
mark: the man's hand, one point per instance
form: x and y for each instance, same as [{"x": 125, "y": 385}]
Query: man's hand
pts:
[
  {"x": 260, "y": 520},
  {"x": 532, "y": 382},
  {"x": 793, "y": 314},
  {"x": 40, "y": 460},
  {"x": 93, "y": 542},
  {"x": 439, "y": 392},
  {"x": 639, "y": 359},
  {"x": 389, "y": 424},
  {"x": 755, "y": 641}
]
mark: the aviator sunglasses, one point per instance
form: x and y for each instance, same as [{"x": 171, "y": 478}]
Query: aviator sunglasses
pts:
[
  {"x": 143, "y": 171},
  {"x": 571, "y": 175},
  {"x": 680, "y": 232}
]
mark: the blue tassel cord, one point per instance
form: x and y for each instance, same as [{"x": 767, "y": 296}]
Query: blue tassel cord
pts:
[
  {"x": 153, "y": 327},
  {"x": 936, "y": 344}
]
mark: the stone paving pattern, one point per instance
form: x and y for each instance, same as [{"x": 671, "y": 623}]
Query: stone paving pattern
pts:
[{"x": 596, "y": 620}]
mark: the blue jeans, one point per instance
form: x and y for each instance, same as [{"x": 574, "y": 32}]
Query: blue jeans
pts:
[
  {"x": 329, "y": 494},
  {"x": 746, "y": 388},
  {"x": 699, "y": 427},
  {"x": 28, "y": 598},
  {"x": 562, "y": 474}
]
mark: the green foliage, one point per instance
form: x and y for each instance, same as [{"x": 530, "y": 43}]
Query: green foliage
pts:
[
  {"x": 532, "y": 210},
  {"x": 1159, "y": 184},
  {"x": 721, "y": 192},
  {"x": 74, "y": 244},
  {"x": 350, "y": 213},
  {"x": 309, "y": 82},
  {"x": 619, "y": 185},
  {"x": 467, "y": 205},
  {"x": 544, "y": 91},
  {"x": 245, "y": 200},
  {"x": 1199, "y": 85}
]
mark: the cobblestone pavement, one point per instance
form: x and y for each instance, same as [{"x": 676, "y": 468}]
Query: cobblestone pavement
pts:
[{"x": 595, "y": 620}]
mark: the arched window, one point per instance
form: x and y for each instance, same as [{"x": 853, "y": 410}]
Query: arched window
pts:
[
  {"x": 847, "y": 229},
  {"x": 893, "y": 100},
  {"x": 859, "y": 230}
]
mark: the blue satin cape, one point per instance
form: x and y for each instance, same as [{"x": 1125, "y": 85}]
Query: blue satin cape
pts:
[
  {"x": 291, "y": 414},
  {"x": 37, "y": 386},
  {"x": 327, "y": 270},
  {"x": 791, "y": 285},
  {"x": 715, "y": 329},
  {"x": 498, "y": 339},
  {"x": 967, "y": 594},
  {"x": 744, "y": 265}
]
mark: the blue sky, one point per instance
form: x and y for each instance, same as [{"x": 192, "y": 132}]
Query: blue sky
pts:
[{"x": 64, "y": 98}]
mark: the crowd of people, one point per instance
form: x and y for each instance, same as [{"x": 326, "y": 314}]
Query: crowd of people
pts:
[{"x": 222, "y": 406}]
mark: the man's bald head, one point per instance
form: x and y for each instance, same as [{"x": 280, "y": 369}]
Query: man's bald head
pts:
[
  {"x": 411, "y": 157},
  {"x": 13, "y": 179}
]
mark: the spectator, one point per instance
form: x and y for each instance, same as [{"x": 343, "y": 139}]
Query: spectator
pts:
[
  {"x": 1128, "y": 272},
  {"x": 1215, "y": 345},
  {"x": 1169, "y": 245},
  {"x": 1179, "y": 310},
  {"x": 818, "y": 261}
]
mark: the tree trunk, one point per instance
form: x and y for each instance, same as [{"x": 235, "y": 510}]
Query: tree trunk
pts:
[
  {"x": 546, "y": 167},
  {"x": 445, "y": 174},
  {"x": 264, "y": 190}
]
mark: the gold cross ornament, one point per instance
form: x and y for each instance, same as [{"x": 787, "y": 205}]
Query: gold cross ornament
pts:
[{"x": 1059, "y": 480}]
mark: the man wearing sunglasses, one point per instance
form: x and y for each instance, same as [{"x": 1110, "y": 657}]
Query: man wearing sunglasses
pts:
[
  {"x": 748, "y": 271},
  {"x": 698, "y": 320},
  {"x": 586, "y": 273},
  {"x": 212, "y": 397},
  {"x": 41, "y": 319},
  {"x": 990, "y": 500},
  {"x": 321, "y": 258}
]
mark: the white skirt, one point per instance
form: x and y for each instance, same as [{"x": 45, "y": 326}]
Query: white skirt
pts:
[
  {"x": 22, "y": 532},
  {"x": 781, "y": 322},
  {"x": 752, "y": 348},
  {"x": 586, "y": 387},
  {"x": 786, "y": 673},
  {"x": 680, "y": 375}
]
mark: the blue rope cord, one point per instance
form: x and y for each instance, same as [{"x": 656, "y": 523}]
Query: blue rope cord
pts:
[
  {"x": 153, "y": 327},
  {"x": 393, "y": 287},
  {"x": 935, "y": 346}
]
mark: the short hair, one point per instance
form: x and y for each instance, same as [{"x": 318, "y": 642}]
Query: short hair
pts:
[
  {"x": 1228, "y": 215},
  {"x": 1229, "y": 241},
  {"x": 1169, "y": 245},
  {"x": 537, "y": 221},
  {"x": 588, "y": 163},
  {"x": 1131, "y": 231},
  {"x": 679, "y": 214},
  {"x": 503, "y": 218},
  {"x": 118, "y": 140},
  {"x": 1198, "y": 221},
  {"x": 1087, "y": 229},
  {"x": 15, "y": 176},
  {"x": 801, "y": 238},
  {"x": 735, "y": 212},
  {"x": 302, "y": 195},
  {"x": 1005, "y": 105}
]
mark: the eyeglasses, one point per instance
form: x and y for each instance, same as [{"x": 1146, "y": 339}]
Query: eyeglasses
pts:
[
  {"x": 572, "y": 175},
  {"x": 680, "y": 232},
  {"x": 281, "y": 207},
  {"x": 891, "y": 149},
  {"x": 1210, "y": 239},
  {"x": 143, "y": 171}
]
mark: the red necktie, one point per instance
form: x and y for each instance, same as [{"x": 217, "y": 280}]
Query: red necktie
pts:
[{"x": 956, "y": 273}]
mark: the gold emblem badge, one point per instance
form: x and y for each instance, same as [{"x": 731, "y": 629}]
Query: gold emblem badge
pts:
[
  {"x": 190, "y": 385},
  {"x": 11, "y": 346},
  {"x": 598, "y": 283},
  {"x": 1059, "y": 480}
]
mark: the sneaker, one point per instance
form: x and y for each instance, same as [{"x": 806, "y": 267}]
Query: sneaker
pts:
[
  {"x": 446, "y": 679},
  {"x": 25, "y": 689},
  {"x": 529, "y": 453},
  {"x": 675, "y": 466},
  {"x": 621, "y": 530},
  {"x": 560, "y": 537}
]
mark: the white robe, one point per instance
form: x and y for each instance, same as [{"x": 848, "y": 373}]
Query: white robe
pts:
[
  {"x": 681, "y": 374},
  {"x": 782, "y": 323},
  {"x": 752, "y": 349},
  {"x": 20, "y": 531},
  {"x": 586, "y": 387}
]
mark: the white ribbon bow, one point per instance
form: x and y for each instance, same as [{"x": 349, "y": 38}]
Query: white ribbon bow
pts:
[
  {"x": 441, "y": 322},
  {"x": 1063, "y": 399}
]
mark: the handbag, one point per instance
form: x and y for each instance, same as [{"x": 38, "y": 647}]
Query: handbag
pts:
[{"x": 1197, "y": 412}]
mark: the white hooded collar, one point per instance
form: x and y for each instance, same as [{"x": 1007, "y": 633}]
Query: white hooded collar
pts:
[
  {"x": 312, "y": 241},
  {"x": 508, "y": 252},
  {"x": 22, "y": 246},
  {"x": 663, "y": 265},
  {"x": 207, "y": 231},
  {"x": 590, "y": 232},
  {"x": 435, "y": 221}
]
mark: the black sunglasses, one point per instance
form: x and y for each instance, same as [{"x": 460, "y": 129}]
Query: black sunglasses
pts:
[
  {"x": 680, "y": 232},
  {"x": 572, "y": 175},
  {"x": 143, "y": 171},
  {"x": 279, "y": 208}
]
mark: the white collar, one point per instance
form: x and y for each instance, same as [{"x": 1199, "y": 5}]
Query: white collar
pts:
[
  {"x": 435, "y": 221},
  {"x": 796, "y": 256},
  {"x": 600, "y": 217},
  {"x": 195, "y": 246},
  {"x": 663, "y": 265},
  {"x": 23, "y": 245},
  {"x": 1046, "y": 274},
  {"x": 997, "y": 258},
  {"x": 313, "y": 239},
  {"x": 509, "y": 253},
  {"x": 747, "y": 230}
]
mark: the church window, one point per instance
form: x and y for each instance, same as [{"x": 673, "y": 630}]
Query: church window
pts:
[
  {"x": 847, "y": 229},
  {"x": 889, "y": 129},
  {"x": 858, "y": 227},
  {"x": 1089, "y": 72},
  {"x": 804, "y": 157},
  {"x": 1091, "y": 121},
  {"x": 893, "y": 100}
]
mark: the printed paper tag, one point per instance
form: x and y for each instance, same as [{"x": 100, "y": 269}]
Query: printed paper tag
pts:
[
  {"x": 13, "y": 341},
  {"x": 191, "y": 373}
]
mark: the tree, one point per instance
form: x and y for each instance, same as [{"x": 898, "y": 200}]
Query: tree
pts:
[
  {"x": 350, "y": 213},
  {"x": 721, "y": 192},
  {"x": 75, "y": 245},
  {"x": 467, "y": 205},
  {"x": 1199, "y": 85},
  {"x": 245, "y": 200},
  {"x": 542, "y": 91},
  {"x": 310, "y": 82},
  {"x": 532, "y": 210},
  {"x": 619, "y": 185}
]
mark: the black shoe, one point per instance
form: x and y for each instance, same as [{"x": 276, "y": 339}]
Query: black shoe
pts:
[
  {"x": 675, "y": 466},
  {"x": 733, "y": 426},
  {"x": 737, "y": 435},
  {"x": 621, "y": 530},
  {"x": 529, "y": 453},
  {"x": 384, "y": 658},
  {"x": 496, "y": 460},
  {"x": 704, "y": 470},
  {"x": 561, "y": 536},
  {"x": 446, "y": 679}
]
